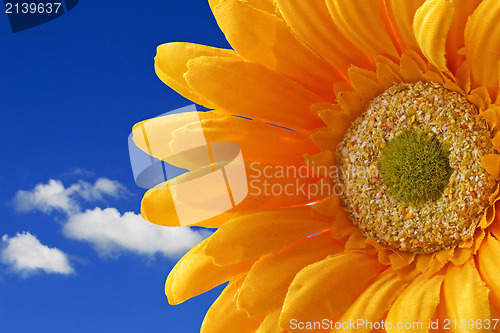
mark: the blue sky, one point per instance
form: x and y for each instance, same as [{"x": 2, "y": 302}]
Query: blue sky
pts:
[{"x": 70, "y": 91}]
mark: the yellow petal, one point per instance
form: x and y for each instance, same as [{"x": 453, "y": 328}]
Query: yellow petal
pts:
[
  {"x": 431, "y": 25},
  {"x": 491, "y": 117},
  {"x": 337, "y": 119},
  {"x": 496, "y": 141},
  {"x": 375, "y": 301},
  {"x": 488, "y": 216},
  {"x": 341, "y": 87},
  {"x": 213, "y": 3},
  {"x": 387, "y": 75},
  {"x": 445, "y": 255},
  {"x": 383, "y": 254},
  {"x": 253, "y": 34},
  {"x": 361, "y": 22},
  {"x": 436, "y": 266},
  {"x": 465, "y": 295},
  {"x": 432, "y": 76},
  {"x": 342, "y": 226},
  {"x": 365, "y": 81},
  {"x": 424, "y": 261},
  {"x": 270, "y": 324},
  {"x": 408, "y": 273},
  {"x": 265, "y": 5},
  {"x": 333, "y": 206},
  {"x": 253, "y": 234},
  {"x": 267, "y": 283},
  {"x": 479, "y": 237},
  {"x": 482, "y": 37},
  {"x": 223, "y": 316},
  {"x": 495, "y": 226},
  {"x": 489, "y": 267},
  {"x": 366, "y": 87},
  {"x": 268, "y": 6},
  {"x": 356, "y": 241},
  {"x": 402, "y": 13},
  {"x": 461, "y": 256},
  {"x": 491, "y": 162},
  {"x": 380, "y": 59},
  {"x": 462, "y": 76},
  {"x": 455, "y": 39},
  {"x": 322, "y": 161},
  {"x": 244, "y": 88},
  {"x": 325, "y": 139},
  {"x": 401, "y": 259},
  {"x": 270, "y": 186},
  {"x": 312, "y": 23},
  {"x": 417, "y": 303},
  {"x": 495, "y": 312},
  {"x": 157, "y": 206},
  {"x": 266, "y": 145},
  {"x": 196, "y": 273},
  {"x": 482, "y": 97},
  {"x": 326, "y": 288},
  {"x": 410, "y": 69},
  {"x": 171, "y": 64}
]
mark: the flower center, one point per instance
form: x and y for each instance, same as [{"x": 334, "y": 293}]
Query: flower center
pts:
[
  {"x": 410, "y": 168},
  {"x": 415, "y": 167}
]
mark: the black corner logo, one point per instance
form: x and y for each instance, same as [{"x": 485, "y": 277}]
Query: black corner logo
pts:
[{"x": 27, "y": 14}]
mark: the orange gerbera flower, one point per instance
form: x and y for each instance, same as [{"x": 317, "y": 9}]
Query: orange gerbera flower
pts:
[{"x": 407, "y": 91}]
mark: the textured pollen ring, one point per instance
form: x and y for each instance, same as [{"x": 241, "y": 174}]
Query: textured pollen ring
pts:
[{"x": 422, "y": 226}]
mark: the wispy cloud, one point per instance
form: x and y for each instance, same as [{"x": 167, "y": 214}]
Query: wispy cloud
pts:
[
  {"x": 79, "y": 172},
  {"x": 25, "y": 255},
  {"x": 111, "y": 233},
  {"x": 53, "y": 196}
]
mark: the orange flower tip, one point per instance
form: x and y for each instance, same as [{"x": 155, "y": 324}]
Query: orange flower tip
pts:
[{"x": 491, "y": 163}]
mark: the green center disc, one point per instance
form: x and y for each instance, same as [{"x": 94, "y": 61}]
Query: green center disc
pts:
[{"x": 415, "y": 167}]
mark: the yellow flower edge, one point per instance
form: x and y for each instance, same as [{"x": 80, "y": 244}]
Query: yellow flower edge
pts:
[{"x": 303, "y": 65}]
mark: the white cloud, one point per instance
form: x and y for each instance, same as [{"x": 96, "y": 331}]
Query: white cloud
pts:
[
  {"x": 110, "y": 233},
  {"x": 26, "y": 255},
  {"x": 106, "y": 230},
  {"x": 108, "y": 187},
  {"x": 53, "y": 196},
  {"x": 45, "y": 198},
  {"x": 97, "y": 191}
]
